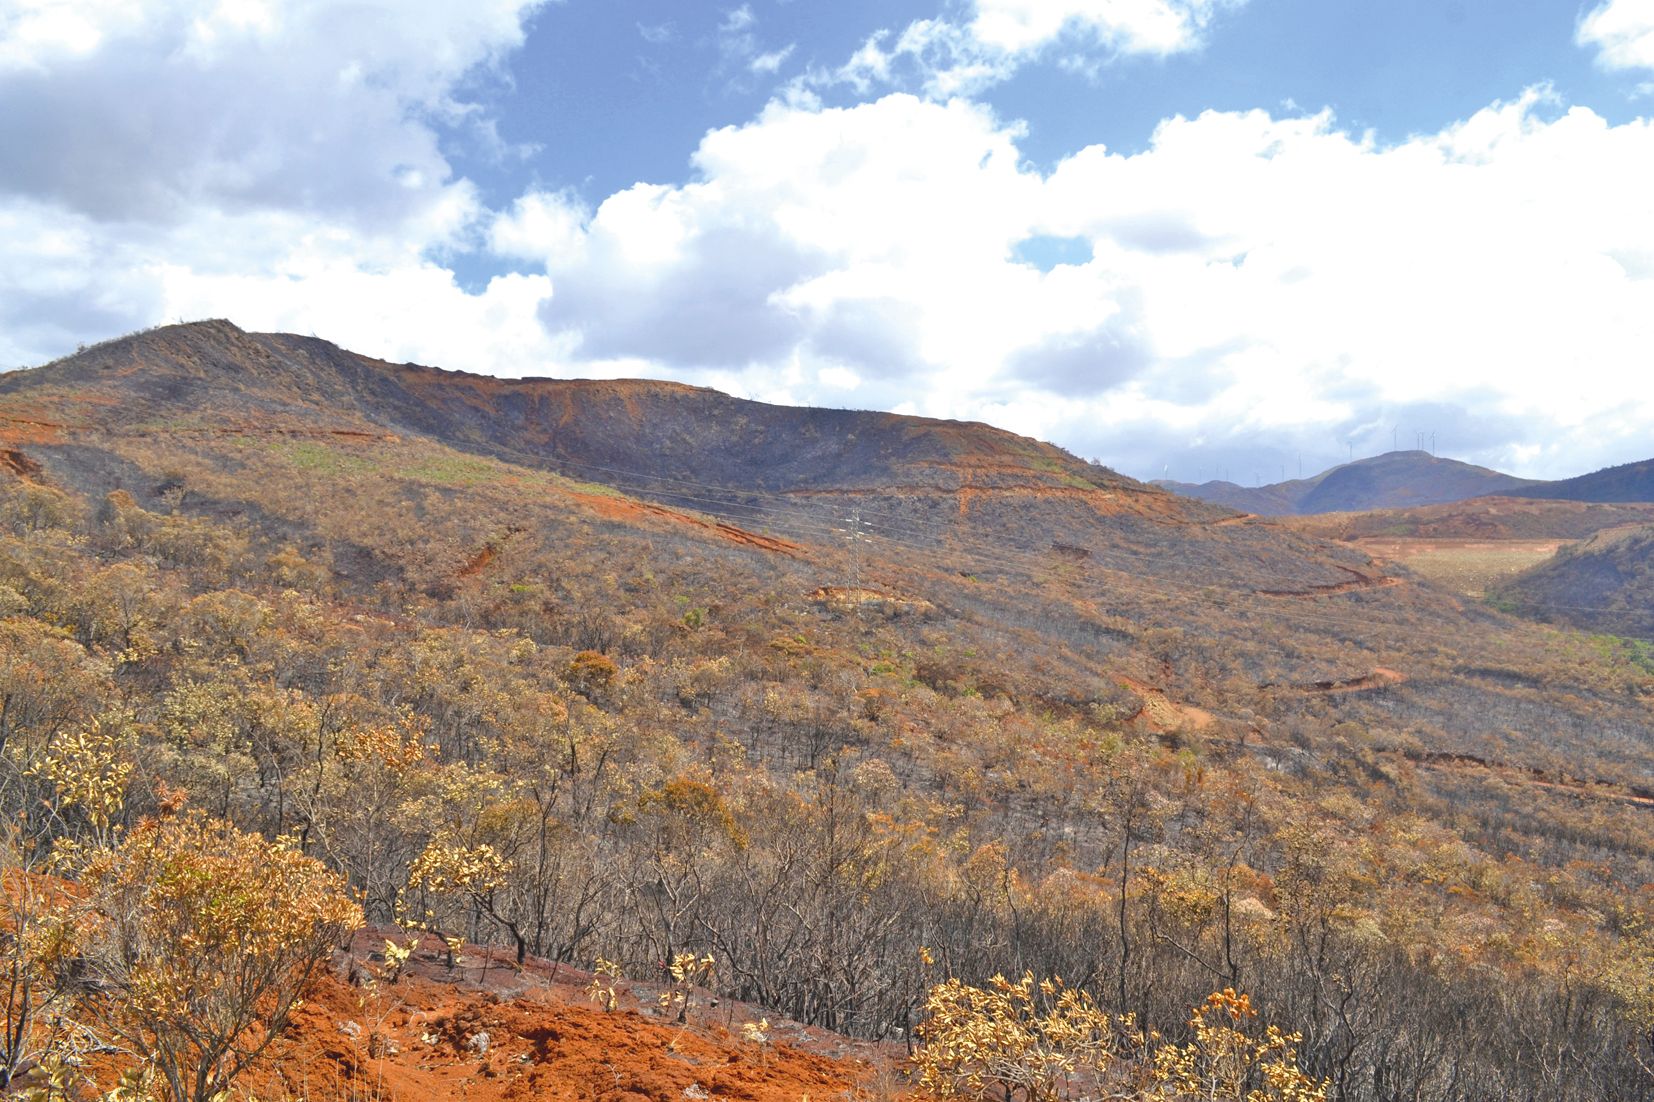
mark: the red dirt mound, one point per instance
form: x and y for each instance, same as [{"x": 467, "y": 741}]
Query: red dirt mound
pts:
[{"x": 503, "y": 1034}]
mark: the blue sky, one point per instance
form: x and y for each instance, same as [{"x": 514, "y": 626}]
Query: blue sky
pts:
[
  {"x": 618, "y": 92},
  {"x": 1179, "y": 236}
]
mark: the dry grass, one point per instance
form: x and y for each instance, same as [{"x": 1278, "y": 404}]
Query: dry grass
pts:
[{"x": 1464, "y": 566}]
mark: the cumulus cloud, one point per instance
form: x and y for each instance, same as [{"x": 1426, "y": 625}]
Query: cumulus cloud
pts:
[
  {"x": 1622, "y": 32},
  {"x": 803, "y": 226},
  {"x": 157, "y": 147},
  {"x": 1243, "y": 269},
  {"x": 539, "y": 226},
  {"x": 149, "y": 111},
  {"x": 1497, "y": 257}
]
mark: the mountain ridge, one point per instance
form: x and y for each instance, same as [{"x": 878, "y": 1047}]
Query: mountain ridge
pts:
[
  {"x": 1397, "y": 479},
  {"x": 1625, "y": 482},
  {"x": 545, "y": 419}
]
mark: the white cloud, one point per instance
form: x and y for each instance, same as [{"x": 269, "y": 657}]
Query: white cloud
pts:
[
  {"x": 946, "y": 57},
  {"x": 410, "y": 312},
  {"x": 1157, "y": 27},
  {"x": 1248, "y": 274},
  {"x": 770, "y": 62},
  {"x": 740, "y": 47},
  {"x": 810, "y": 228},
  {"x": 178, "y": 145},
  {"x": 33, "y": 32},
  {"x": 1483, "y": 264},
  {"x": 152, "y": 110},
  {"x": 737, "y": 20},
  {"x": 1623, "y": 33},
  {"x": 541, "y": 226},
  {"x": 656, "y": 34}
]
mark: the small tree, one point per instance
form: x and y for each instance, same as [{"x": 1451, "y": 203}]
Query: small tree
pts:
[
  {"x": 1016, "y": 1040},
  {"x": 474, "y": 873},
  {"x": 1041, "y": 1042},
  {"x": 1225, "y": 1059},
  {"x": 199, "y": 940},
  {"x": 33, "y": 945}
]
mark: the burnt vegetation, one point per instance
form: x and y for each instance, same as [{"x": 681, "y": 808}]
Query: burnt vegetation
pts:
[{"x": 628, "y": 671}]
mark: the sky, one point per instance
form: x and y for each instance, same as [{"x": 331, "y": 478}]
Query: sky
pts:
[{"x": 1185, "y": 238}]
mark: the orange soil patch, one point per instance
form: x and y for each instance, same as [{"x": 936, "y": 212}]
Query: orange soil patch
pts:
[
  {"x": 1160, "y": 713},
  {"x": 1102, "y": 502},
  {"x": 24, "y": 430},
  {"x": 477, "y": 563},
  {"x": 512, "y": 1035},
  {"x": 268, "y": 431},
  {"x": 618, "y": 508}
]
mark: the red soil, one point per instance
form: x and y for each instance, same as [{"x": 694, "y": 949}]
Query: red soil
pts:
[
  {"x": 1160, "y": 713},
  {"x": 27, "y": 430},
  {"x": 504, "y": 1034},
  {"x": 631, "y": 509},
  {"x": 1520, "y": 775}
]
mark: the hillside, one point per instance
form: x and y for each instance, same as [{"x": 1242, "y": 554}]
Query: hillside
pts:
[
  {"x": 1483, "y": 518},
  {"x": 204, "y": 376},
  {"x": 1473, "y": 547},
  {"x": 1604, "y": 584},
  {"x": 1390, "y": 481},
  {"x": 611, "y": 670},
  {"x": 1626, "y": 482}
]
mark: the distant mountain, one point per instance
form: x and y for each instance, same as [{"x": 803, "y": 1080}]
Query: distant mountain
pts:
[
  {"x": 1395, "y": 480},
  {"x": 1605, "y": 584},
  {"x": 1627, "y": 482}
]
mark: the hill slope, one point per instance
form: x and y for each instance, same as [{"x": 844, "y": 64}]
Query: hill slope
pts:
[
  {"x": 298, "y": 440},
  {"x": 1605, "y": 584},
  {"x": 207, "y": 375},
  {"x": 1626, "y": 482},
  {"x": 1481, "y": 518}
]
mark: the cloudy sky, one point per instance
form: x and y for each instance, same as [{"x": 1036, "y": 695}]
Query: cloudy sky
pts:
[{"x": 1187, "y": 237}]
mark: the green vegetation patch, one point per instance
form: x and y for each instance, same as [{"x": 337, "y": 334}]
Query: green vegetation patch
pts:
[
  {"x": 310, "y": 455},
  {"x": 456, "y": 470}
]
